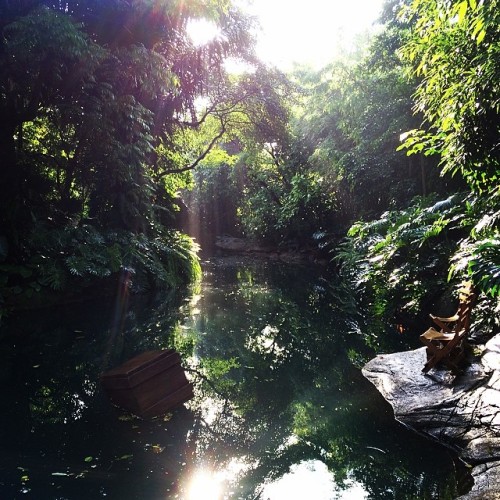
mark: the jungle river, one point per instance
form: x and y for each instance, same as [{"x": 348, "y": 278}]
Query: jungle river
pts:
[{"x": 281, "y": 410}]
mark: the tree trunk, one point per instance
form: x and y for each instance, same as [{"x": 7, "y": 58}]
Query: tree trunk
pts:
[
  {"x": 11, "y": 185},
  {"x": 422, "y": 172}
]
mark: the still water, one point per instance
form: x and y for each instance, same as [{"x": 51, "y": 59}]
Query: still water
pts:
[{"x": 281, "y": 410}]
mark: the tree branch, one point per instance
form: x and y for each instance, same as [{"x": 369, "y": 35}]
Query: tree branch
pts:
[{"x": 199, "y": 159}]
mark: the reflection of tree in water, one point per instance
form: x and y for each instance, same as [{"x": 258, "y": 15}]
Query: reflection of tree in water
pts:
[
  {"x": 58, "y": 431},
  {"x": 278, "y": 388},
  {"x": 281, "y": 356}
]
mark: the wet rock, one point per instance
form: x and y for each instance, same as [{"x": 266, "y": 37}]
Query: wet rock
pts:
[
  {"x": 291, "y": 253},
  {"x": 461, "y": 412},
  {"x": 231, "y": 244}
]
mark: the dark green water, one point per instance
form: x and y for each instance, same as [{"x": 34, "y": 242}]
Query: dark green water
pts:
[{"x": 281, "y": 409}]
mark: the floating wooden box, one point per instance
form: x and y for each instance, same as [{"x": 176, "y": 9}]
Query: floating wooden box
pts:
[{"x": 148, "y": 384}]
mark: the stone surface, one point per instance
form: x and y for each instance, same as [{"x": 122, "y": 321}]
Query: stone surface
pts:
[
  {"x": 290, "y": 253},
  {"x": 231, "y": 244},
  {"x": 461, "y": 412}
]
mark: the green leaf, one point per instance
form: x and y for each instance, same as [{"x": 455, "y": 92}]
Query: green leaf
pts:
[{"x": 462, "y": 11}]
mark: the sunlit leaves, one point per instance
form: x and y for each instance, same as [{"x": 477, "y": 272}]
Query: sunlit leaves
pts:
[
  {"x": 217, "y": 368},
  {"x": 461, "y": 11},
  {"x": 354, "y": 117},
  {"x": 94, "y": 100},
  {"x": 457, "y": 59},
  {"x": 401, "y": 253},
  {"x": 420, "y": 142},
  {"x": 484, "y": 266},
  {"x": 479, "y": 254},
  {"x": 79, "y": 255}
]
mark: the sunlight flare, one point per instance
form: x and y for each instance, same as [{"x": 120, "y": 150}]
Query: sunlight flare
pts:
[
  {"x": 313, "y": 35},
  {"x": 202, "y": 31},
  {"x": 205, "y": 485}
]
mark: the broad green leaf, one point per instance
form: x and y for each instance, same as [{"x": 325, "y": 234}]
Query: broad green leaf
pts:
[
  {"x": 480, "y": 36},
  {"x": 462, "y": 11}
]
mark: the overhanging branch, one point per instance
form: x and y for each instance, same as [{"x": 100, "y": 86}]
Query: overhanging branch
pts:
[{"x": 200, "y": 158}]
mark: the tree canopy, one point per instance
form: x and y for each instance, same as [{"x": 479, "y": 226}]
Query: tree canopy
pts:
[
  {"x": 110, "y": 111},
  {"x": 97, "y": 101},
  {"x": 395, "y": 147}
]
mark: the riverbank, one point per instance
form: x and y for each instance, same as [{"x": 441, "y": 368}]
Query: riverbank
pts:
[
  {"x": 291, "y": 253},
  {"x": 463, "y": 413}
]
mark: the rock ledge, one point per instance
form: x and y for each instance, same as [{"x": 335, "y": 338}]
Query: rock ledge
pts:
[{"x": 462, "y": 413}]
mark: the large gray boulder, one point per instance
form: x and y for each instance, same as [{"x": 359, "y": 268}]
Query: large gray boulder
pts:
[{"x": 461, "y": 412}]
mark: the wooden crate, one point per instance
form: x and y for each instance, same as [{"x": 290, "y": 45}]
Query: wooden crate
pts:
[{"x": 148, "y": 384}]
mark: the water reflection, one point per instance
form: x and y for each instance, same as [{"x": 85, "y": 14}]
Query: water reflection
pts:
[
  {"x": 280, "y": 401},
  {"x": 276, "y": 351},
  {"x": 312, "y": 479},
  {"x": 204, "y": 485}
]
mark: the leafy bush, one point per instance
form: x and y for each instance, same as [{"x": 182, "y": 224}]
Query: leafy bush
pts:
[
  {"x": 400, "y": 261},
  {"x": 73, "y": 258},
  {"x": 403, "y": 264},
  {"x": 479, "y": 253}
]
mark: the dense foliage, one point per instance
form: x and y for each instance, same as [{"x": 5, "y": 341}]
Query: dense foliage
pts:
[
  {"x": 337, "y": 160},
  {"x": 455, "y": 50},
  {"x": 99, "y": 104},
  {"x": 119, "y": 134},
  {"x": 425, "y": 211},
  {"x": 109, "y": 110},
  {"x": 408, "y": 256}
]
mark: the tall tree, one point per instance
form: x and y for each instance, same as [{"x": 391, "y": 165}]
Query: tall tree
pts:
[
  {"x": 95, "y": 99},
  {"x": 109, "y": 89},
  {"x": 455, "y": 50}
]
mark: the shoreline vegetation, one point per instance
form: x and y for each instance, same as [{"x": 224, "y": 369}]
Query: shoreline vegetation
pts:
[
  {"x": 120, "y": 137},
  {"x": 117, "y": 143}
]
